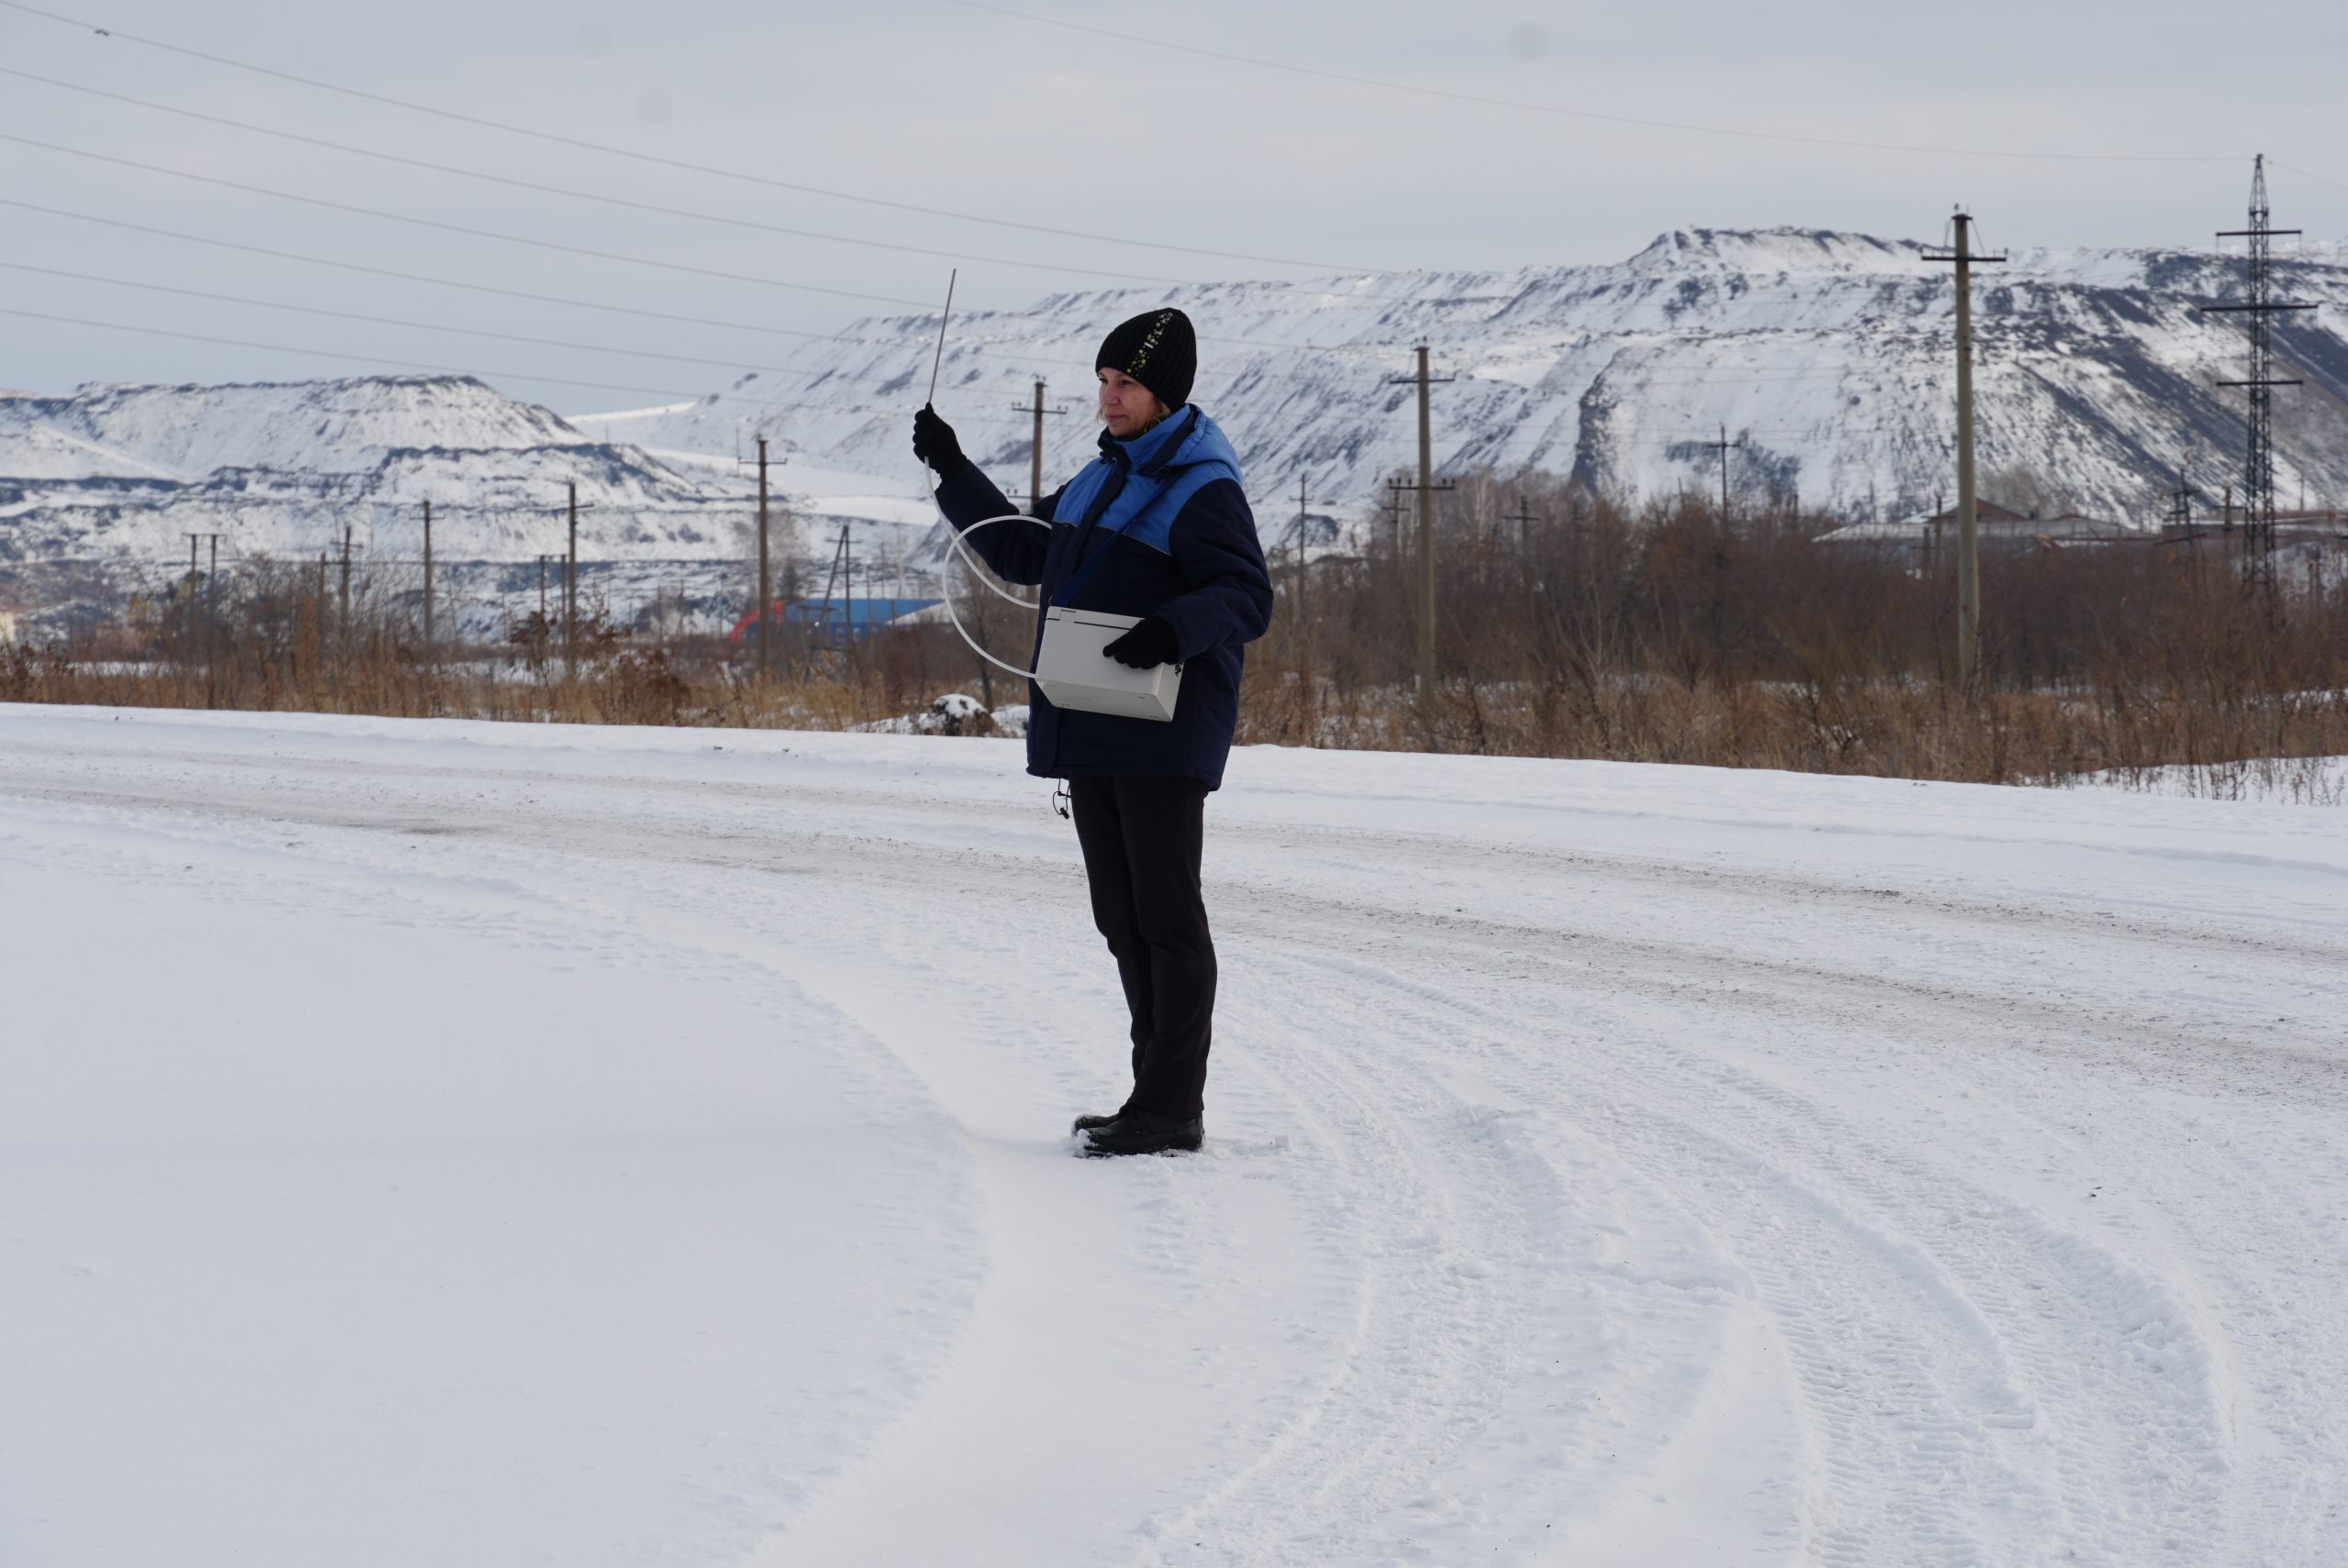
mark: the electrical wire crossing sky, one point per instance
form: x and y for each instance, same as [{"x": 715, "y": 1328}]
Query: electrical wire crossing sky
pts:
[{"x": 627, "y": 203}]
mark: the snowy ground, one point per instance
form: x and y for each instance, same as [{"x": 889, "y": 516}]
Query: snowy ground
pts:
[{"x": 466, "y": 1146}]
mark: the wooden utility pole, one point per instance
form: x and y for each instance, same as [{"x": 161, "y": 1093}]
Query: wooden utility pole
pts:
[
  {"x": 1968, "y": 521},
  {"x": 1723, "y": 446},
  {"x": 1523, "y": 521},
  {"x": 767, "y": 629},
  {"x": 1968, "y": 536},
  {"x": 1036, "y": 448},
  {"x": 766, "y": 580},
  {"x": 1303, "y": 560},
  {"x": 1426, "y": 535},
  {"x": 427, "y": 579},
  {"x": 343, "y": 609},
  {"x": 187, "y": 613},
  {"x": 1522, "y": 518},
  {"x": 211, "y": 596},
  {"x": 1426, "y": 488},
  {"x": 571, "y": 590}
]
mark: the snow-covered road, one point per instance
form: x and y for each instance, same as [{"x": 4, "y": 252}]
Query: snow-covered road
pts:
[{"x": 474, "y": 1146}]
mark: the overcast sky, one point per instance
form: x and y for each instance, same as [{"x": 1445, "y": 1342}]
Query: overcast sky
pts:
[{"x": 936, "y": 105}]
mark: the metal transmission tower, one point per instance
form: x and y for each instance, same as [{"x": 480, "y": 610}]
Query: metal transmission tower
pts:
[{"x": 2258, "y": 467}]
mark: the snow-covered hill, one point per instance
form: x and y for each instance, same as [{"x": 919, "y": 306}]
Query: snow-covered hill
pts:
[
  {"x": 1827, "y": 356},
  {"x": 281, "y": 468}
]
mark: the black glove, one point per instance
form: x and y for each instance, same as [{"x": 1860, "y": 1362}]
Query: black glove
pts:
[
  {"x": 933, "y": 442},
  {"x": 1147, "y": 645}
]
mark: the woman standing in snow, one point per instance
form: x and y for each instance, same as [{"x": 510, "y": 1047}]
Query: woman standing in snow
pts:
[{"x": 1157, "y": 527}]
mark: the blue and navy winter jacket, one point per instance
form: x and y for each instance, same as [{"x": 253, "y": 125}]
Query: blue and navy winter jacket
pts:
[{"x": 1162, "y": 528}]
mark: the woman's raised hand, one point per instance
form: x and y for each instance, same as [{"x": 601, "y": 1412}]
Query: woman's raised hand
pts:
[{"x": 933, "y": 442}]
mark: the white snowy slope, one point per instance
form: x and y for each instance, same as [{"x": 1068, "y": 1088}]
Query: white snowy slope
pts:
[
  {"x": 1824, "y": 356},
  {"x": 1827, "y": 356},
  {"x": 448, "y": 1143},
  {"x": 118, "y": 476},
  {"x": 280, "y": 467}
]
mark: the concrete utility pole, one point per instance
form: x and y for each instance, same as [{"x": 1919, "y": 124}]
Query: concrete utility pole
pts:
[
  {"x": 1426, "y": 488},
  {"x": 344, "y": 610},
  {"x": 427, "y": 579},
  {"x": 766, "y": 582},
  {"x": 1036, "y": 448},
  {"x": 1968, "y": 536}
]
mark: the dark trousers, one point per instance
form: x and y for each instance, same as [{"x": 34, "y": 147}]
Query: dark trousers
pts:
[{"x": 1141, "y": 835}]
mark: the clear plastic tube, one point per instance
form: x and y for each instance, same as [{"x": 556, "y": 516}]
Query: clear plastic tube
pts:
[{"x": 946, "y": 587}]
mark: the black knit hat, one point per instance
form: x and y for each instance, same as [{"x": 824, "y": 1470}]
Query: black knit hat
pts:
[{"x": 1156, "y": 348}]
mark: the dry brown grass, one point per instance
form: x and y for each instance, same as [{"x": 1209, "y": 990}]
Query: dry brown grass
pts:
[
  {"x": 1661, "y": 634},
  {"x": 276, "y": 643},
  {"x": 1666, "y": 635}
]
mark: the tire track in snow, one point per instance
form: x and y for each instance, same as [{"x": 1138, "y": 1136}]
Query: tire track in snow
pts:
[
  {"x": 1852, "y": 1198},
  {"x": 1972, "y": 1297}
]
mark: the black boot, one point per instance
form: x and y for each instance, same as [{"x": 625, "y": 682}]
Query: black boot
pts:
[{"x": 1144, "y": 1133}]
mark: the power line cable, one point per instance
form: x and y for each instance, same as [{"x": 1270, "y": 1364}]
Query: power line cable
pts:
[
  {"x": 331, "y": 354},
  {"x": 1487, "y": 101},
  {"x": 1771, "y": 374},
  {"x": 423, "y": 278},
  {"x": 734, "y": 365},
  {"x": 576, "y": 195},
  {"x": 465, "y": 370},
  {"x": 572, "y": 250},
  {"x": 525, "y": 239},
  {"x": 2307, "y": 174},
  {"x": 456, "y": 227},
  {"x": 654, "y": 159},
  {"x": 370, "y": 271}
]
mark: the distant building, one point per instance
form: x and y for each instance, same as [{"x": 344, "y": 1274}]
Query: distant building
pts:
[
  {"x": 7, "y": 628},
  {"x": 2310, "y": 538},
  {"x": 838, "y": 619},
  {"x": 1931, "y": 535}
]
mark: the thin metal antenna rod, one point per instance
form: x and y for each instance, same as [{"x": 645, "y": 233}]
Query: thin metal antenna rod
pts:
[{"x": 939, "y": 358}]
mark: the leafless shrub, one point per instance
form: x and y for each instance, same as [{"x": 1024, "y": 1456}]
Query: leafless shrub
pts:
[{"x": 1570, "y": 625}]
